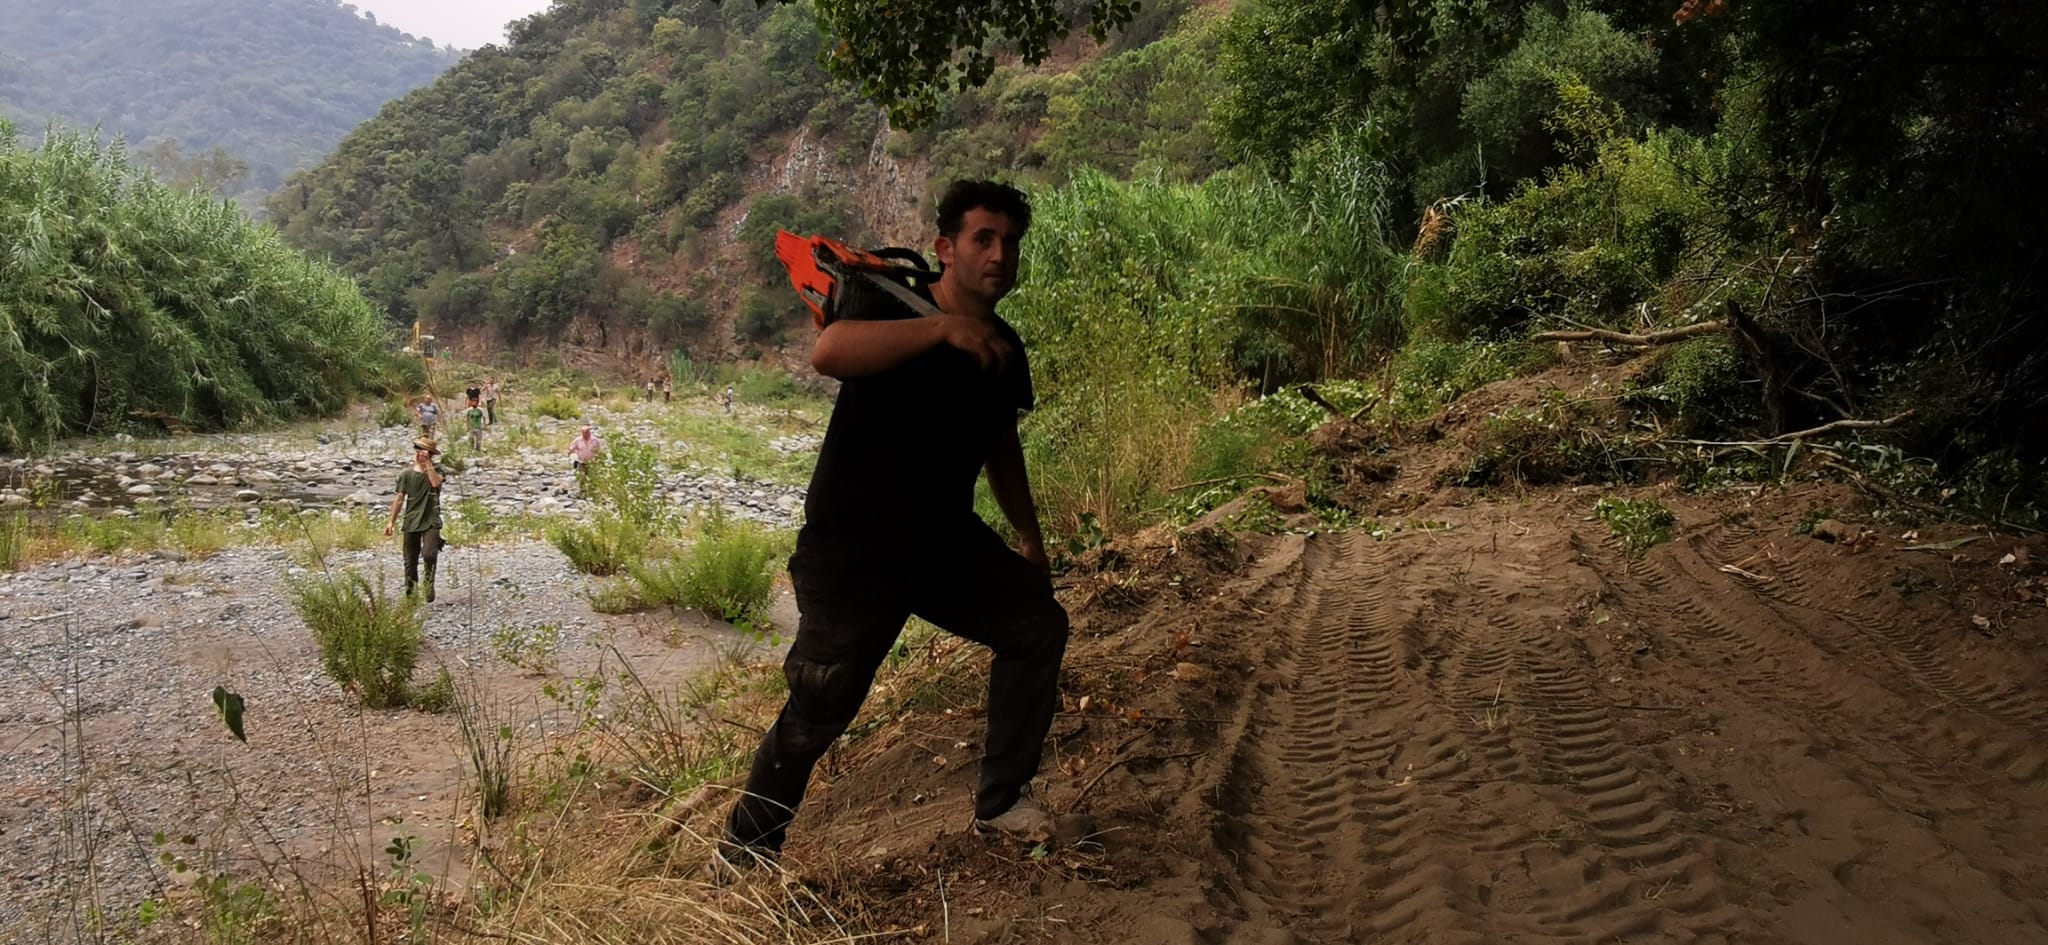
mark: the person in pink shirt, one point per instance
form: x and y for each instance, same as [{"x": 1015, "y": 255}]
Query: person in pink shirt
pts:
[{"x": 584, "y": 448}]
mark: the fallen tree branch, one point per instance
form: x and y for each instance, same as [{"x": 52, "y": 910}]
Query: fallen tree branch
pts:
[
  {"x": 1821, "y": 430},
  {"x": 1315, "y": 397},
  {"x": 1624, "y": 338}
]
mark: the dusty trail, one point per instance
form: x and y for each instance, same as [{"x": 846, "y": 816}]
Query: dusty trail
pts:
[{"x": 1496, "y": 734}]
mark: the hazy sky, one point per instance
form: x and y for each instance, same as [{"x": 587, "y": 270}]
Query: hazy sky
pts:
[{"x": 463, "y": 23}]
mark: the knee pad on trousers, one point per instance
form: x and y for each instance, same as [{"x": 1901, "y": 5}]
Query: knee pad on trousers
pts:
[{"x": 823, "y": 698}]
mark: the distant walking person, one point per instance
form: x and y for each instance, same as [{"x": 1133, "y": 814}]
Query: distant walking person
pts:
[
  {"x": 429, "y": 414},
  {"x": 475, "y": 414},
  {"x": 650, "y": 390},
  {"x": 474, "y": 393},
  {"x": 491, "y": 401},
  {"x": 726, "y": 398},
  {"x": 419, "y": 498},
  {"x": 668, "y": 389}
]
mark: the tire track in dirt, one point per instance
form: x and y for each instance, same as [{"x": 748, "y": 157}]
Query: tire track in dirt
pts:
[
  {"x": 1638, "y": 872},
  {"x": 1322, "y": 844},
  {"x": 1364, "y": 798},
  {"x": 2000, "y": 724},
  {"x": 1538, "y": 739}
]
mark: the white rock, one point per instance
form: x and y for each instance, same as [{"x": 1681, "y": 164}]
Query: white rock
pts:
[
  {"x": 247, "y": 495},
  {"x": 141, "y": 488},
  {"x": 13, "y": 500},
  {"x": 202, "y": 480}
]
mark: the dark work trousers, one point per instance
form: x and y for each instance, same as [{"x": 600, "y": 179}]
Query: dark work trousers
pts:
[
  {"x": 491, "y": 411},
  {"x": 981, "y": 590},
  {"x": 424, "y": 546}
]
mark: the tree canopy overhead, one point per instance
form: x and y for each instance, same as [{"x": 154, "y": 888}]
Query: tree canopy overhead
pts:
[{"x": 903, "y": 53}]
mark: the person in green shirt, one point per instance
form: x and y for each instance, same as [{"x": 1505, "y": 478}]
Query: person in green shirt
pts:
[
  {"x": 419, "y": 496},
  {"x": 476, "y": 426}
]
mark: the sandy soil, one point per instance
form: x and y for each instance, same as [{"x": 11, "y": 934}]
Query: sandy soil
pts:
[
  {"x": 1507, "y": 731},
  {"x": 1490, "y": 724}
]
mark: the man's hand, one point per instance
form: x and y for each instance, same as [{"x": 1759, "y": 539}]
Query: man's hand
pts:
[
  {"x": 387, "y": 531},
  {"x": 1034, "y": 552},
  {"x": 978, "y": 338}
]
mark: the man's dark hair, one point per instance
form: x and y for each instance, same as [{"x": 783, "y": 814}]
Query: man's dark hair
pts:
[{"x": 965, "y": 195}]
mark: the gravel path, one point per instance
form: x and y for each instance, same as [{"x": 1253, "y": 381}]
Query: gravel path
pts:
[{"x": 108, "y": 732}]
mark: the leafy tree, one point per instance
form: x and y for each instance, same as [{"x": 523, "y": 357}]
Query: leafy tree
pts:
[
  {"x": 128, "y": 299},
  {"x": 903, "y": 53}
]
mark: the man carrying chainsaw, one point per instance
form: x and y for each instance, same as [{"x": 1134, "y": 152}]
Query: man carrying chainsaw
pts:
[{"x": 933, "y": 382}]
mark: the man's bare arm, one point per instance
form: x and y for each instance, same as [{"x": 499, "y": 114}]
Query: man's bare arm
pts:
[
  {"x": 848, "y": 349},
  {"x": 1011, "y": 484}
]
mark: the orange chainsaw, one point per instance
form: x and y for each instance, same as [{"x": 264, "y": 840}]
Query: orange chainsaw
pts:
[{"x": 832, "y": 277}]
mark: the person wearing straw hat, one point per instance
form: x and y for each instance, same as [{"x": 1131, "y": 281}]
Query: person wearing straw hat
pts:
[{"x": 419, "y": 499}]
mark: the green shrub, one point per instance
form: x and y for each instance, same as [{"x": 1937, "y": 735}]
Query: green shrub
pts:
[
  {"x": 767, "y": 386},
  {"x": 369, "y": 639},
  {"x": 1556, "y": 441},
  {"x": 1639, "y": 523},
  {"x": 763, "y": 314},
  {"x": 529, "y": 648},
  {"x": 626, "y": 478},
  {"x": 1430, "y": 374},
  {"x": 606, "y": 546},
  {"x": 13, "y": 540},
  {"x": 393, "y": 413},
  {"x": 558, "y": 405},
  {"x": 435, "y": 697},
  {"x": 617, "y": 597},
  {"x": 200, "y": 534},
  {"x": 727, "y": 573}
]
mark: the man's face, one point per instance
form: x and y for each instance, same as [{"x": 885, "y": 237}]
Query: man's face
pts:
[{"x": 982, "y": 258}]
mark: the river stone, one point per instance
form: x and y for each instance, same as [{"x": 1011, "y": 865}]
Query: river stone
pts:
[
  {"x": 13, "y": 500},
  {"x": 149, "y": 469},
  {"x": 247, "y": 495},
  {"x": 141, "y": 488}
]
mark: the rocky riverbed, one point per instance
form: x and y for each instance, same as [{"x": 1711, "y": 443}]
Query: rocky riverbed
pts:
[
  {"x": 354, "y": 469},
  {"x": 108, "y": 731}
]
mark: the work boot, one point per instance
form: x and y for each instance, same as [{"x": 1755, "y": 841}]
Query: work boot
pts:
[
  {"x": 1026, "y": 821},
  {"x": 430, "y": 590}
]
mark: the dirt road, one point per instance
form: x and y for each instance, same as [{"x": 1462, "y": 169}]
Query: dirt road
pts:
[{"x": 1503, "y": 729}]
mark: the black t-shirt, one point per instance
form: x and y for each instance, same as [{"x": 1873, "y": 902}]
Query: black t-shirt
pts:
[{"x": 896, "y": 473}]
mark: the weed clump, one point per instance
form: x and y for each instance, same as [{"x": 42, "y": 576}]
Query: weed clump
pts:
[
  {"x": 369, "y": 639},
  {"x": 557, "y": 405},
  {"x": 727, "y": 573},
  {"x": 1640, "y": 524},
  {"x": 608, "y": 545}
]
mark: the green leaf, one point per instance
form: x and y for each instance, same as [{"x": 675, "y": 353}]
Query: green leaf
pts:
[{"x": 230, "y": 706}]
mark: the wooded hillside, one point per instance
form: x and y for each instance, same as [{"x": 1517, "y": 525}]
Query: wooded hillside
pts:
[{"x": 272, "y": 83}]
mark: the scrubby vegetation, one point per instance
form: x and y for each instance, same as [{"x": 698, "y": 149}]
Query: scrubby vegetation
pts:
[{"x": 131, "y": 302}]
